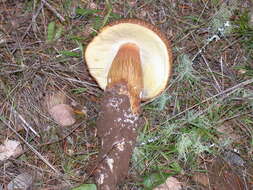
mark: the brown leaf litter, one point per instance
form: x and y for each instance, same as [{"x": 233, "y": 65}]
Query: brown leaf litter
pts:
[
  {"x": 220, "y": 175},
  {"x": 171, "y": 183}
]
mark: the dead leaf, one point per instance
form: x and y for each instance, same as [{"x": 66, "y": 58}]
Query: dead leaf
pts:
[
  {"x": 63, "y": 114},
  {"x": 60, "y": 111},
  {"x": 220, "y": 176},
  {"x": 10, "y": 148},
  {"x": 201, "y": 178},
  {"x": 22, "y": 181},
  {"x": 170, "y": 184}
]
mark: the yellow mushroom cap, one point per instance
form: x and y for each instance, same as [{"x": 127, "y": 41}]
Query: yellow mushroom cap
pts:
[{"x": 155, "y": 53}]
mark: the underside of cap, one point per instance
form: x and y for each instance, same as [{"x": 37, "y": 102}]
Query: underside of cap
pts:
[{"x": 155, "y": 53}]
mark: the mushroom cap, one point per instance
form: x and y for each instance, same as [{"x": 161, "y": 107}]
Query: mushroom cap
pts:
[{"x": 155, "y": 53}]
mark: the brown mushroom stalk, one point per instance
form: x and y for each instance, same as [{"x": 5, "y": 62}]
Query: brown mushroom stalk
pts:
[{"x": 119, "y": 119}]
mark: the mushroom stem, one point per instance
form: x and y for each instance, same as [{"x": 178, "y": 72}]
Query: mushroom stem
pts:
[
  {"x": 126, "y": 67},
  {"x": 117, "y": 127},
  {"x": 119, "y": 117}
]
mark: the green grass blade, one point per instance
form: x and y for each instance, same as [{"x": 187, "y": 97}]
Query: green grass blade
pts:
[
  {"x": 50, "y": 32},
  {"x": 70, "y": 53}
]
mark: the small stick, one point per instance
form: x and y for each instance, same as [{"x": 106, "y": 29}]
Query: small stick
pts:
[
  {"x": 109, "y": 7},
  {"x": 227, "y": 91},
  {"x": 54, "y": 11},
  {"x": 31, "y": 147},
  {"x": 25, "y": 122},
  {"x": 214, "y": 37},
  {"x": 46, "y": 144},
  {"x": 211, "y": 72},
  {"x": 30, "y": 25},
  {"x": 222, "y": 72}
]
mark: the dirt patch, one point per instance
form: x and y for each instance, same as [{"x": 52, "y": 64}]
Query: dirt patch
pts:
[{"x": 223, "y": 175}]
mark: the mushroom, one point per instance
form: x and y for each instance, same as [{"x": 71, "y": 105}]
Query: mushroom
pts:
[{"x": 131, "y": 60}]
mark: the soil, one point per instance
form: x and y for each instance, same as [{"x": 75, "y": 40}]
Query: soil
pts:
[{"x": 221, "y": 175}]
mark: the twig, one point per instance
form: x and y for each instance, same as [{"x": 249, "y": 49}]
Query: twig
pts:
[
  {"x": 222, "y": 73},
  {"x": 228, "y": 92},
  {"x": 24, "y": 121},
  {"x": 71, "y": 79},
  {"x": 61, "y": 139},
  {"x": 231, "y": 90},
  {"x": 47, "y": 143},
  {"x": 211, "y": 72},
  {"x": 202, "y": 12},
  {"x": 209, "y": 40},
  {"x": 30, "y": 25},
  {"x": 233, "y": 117},
  {"x": 31, "y": 147},
  {"x": 109, "y": 7},
  {"x": 54, "y": 11}
]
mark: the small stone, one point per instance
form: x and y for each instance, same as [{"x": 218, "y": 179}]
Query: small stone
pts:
[{"x": 233, "y": 159}]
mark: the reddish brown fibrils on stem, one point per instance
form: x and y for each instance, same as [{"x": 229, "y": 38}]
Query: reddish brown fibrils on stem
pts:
[{"x": 126, "y": 67}]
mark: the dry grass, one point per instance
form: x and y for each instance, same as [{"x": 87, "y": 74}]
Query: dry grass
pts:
[{"x": 206, "y": 90}]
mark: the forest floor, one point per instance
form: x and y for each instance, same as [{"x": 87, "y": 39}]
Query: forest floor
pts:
[{"x": 199, "y": 131}]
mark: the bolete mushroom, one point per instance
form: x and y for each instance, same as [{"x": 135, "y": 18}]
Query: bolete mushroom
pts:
[{"x": 131, "y": 60}]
